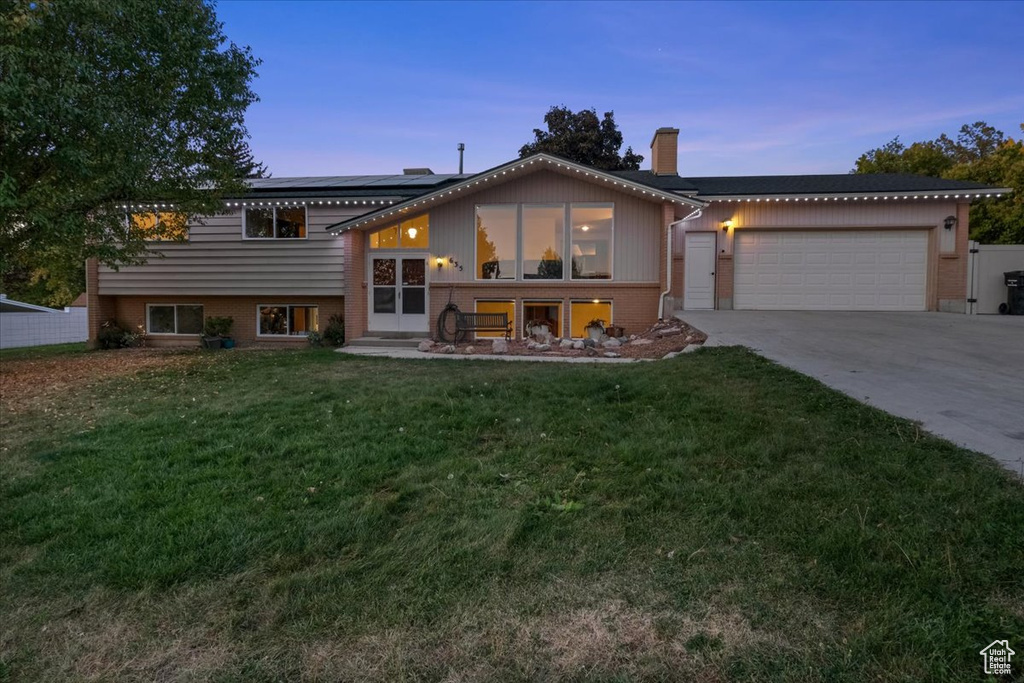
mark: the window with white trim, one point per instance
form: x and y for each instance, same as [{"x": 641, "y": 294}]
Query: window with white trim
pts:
[
  {"x": 174, "y": 318},
  {"x": 592, "y": 238},
  {"x": 287, "y": 320},
  {"x": 274, "y": 222}
]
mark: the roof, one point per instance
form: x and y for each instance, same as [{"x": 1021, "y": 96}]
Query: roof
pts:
[
  {"x": 398, "y": 187},
  {"x": 12, "y": 306},
  {"x": 828, "y": 184},
  {"x": 543, "y": 160}
]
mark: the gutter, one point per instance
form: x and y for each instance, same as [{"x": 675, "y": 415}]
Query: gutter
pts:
[{"x": 668, "y": 259}]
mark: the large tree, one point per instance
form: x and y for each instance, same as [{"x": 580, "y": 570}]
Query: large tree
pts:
[
  {"x": 979, "y": 153},
  {"x": 583, "y": 137},
  {"x": 108, "y": 103}
]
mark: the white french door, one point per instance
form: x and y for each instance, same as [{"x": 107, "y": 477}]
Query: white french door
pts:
[{"x": 397, "y": 293}]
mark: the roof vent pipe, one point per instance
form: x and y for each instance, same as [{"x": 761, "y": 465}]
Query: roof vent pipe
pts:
[{"x": 462, "y": 148}]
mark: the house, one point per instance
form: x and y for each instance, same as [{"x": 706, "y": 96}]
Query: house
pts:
[
  {"x": 23, "y": 324},
  {"x": 544, "y": 238}
]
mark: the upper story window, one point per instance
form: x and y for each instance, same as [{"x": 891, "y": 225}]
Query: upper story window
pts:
[
  {"x": 161, "y": 225},
  {"x": 275, "y": 222},
  {"x": 496, "y": 242},
  {"x": 592, "y": 232},
  {"x": 543, "y": 242},
  {"x": 533, "y": 241},
  {"x": 412, "y": 233}
]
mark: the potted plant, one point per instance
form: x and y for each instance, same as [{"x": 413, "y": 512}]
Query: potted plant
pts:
[
  {"x": 537, "y": 327},
  {"x": 217, "y": 331},
  {"x": 595, "y": 329}
]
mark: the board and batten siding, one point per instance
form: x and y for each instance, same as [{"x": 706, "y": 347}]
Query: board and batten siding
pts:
[
  {"x": 925, "y": 214},
  {"x": 636, "y": 245},
  {"x": 216, "y": 260}
]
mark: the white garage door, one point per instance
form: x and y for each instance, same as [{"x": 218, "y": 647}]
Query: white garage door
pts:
[{"x": 852, "y": 270}]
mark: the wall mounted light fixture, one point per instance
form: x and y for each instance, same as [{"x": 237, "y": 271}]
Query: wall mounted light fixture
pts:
[
  {"x": 726, "y": 224},
  {"x": 440, "y": 262},
  {"x": 949, "y": 223}
]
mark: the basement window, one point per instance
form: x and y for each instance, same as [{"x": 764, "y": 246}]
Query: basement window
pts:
[
  {"x": 287, "y": 320},
  {"x": 174, "y": 318}
]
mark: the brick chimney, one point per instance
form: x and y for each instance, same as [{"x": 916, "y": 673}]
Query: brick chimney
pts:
[{"x": 664, "y": 151}]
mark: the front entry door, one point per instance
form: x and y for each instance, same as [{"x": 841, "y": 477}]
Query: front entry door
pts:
[
  {"x": 699, "y": 271},
  {"x": 398, "y": 294}
]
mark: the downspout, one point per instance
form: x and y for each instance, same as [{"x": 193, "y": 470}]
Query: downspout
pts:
[{"x": 668, "y": 259}]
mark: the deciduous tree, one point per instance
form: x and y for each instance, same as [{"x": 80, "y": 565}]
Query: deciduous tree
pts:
[
  {"x": 106, "y": 103},
  {"x": 583, "y": 137},
  {"x": 979, "y": 153}
]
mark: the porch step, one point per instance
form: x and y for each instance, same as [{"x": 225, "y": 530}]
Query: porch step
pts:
[{"x": 388, "y": 342}]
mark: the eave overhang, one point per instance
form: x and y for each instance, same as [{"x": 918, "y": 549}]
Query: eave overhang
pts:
[{"x": 501, "y": 174}]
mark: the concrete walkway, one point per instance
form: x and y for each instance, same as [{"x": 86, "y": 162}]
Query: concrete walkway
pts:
[
  {"x": 961, "y": 376},
  {"x": 413, "y": 354}
]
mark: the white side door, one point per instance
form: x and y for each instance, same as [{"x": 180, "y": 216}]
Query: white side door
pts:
[{"x": 699, "y": 271}]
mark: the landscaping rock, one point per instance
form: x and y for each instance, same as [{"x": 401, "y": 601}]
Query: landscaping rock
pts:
[
  {"x": 566, "y": 344},
  {"x": 641, "y": 342},
  {"x": 542, "y": 347},
  {"x": 591, "y": 351},
  {"x": 425, "y": 345},
  {"x": 578, "y": 345},
  {"x": 469, "y": 350},
  {"x": 589, "y": 343},
  {"x": 448, "y": 349},
  {"x": 499, "y": 347},
  {"x": 612, "y": 354},
  {"x": 669, "y": 332},
  {"x": 611, "y": 344}
]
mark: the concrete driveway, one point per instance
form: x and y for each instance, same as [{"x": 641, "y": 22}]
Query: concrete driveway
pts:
[{"x": 961, "y": 376}]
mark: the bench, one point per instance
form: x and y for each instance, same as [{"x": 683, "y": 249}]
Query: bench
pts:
[{"x": 482, "y": 322}]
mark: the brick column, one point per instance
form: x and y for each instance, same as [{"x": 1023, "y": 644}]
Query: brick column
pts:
[
  {"x": 952, "y": 268},
  {"x": 355, "y": 283},
  {"x": 100, "y": 308}
]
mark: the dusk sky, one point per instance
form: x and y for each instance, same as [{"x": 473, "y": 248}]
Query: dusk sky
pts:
[{"x": 755, "y": 88}]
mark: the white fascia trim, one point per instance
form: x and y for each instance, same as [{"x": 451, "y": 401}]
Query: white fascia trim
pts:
[
  {"x": 425, "y": 201},
  {"x": 861, "y": 196}
]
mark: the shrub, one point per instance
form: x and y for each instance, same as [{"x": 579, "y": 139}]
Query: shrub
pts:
[
  {"x": 218, "y": 326},
  {"x": 315, "y": 338},
  {"x": 110, "y": 336},
  {"x": 113, "y": 335},
  {"x": 334, "y": 333}
]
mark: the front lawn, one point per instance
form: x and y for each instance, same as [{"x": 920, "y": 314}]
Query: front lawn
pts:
[{"x": 259, "y": 516}]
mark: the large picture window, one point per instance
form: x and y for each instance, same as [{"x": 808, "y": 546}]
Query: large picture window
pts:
[
  {"x": 413, "y": 233},
  {"x": 287, "y": 320},
  {"x": 275, "y": 223},
  {"x": 174, "y": 319},
  {"x": 543, "y": 241},
  {"x": 496, "y": 242},
  {"x": 592, "y": 233}
]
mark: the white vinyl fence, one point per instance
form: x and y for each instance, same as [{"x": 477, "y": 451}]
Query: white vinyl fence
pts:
[
  {"x": 38, "y": 328},
  {"x": 985, "y": 269}
]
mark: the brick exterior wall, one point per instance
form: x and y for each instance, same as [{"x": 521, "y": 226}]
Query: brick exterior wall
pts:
[
  {"x": 634, "y": 305},
  {"x": 101, "y": 308},
  {"x": 951, "y": 280},
  {"x": 355, "y": 283},
  {"x": 131, "y": 311}
]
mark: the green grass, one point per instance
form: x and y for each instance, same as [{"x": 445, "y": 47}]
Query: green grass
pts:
[
  {"x": 286, "y": 515},
  {"x": 47, "y": 351}
]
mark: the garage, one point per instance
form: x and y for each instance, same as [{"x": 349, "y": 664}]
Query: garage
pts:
[{"x": 830, "y": 270}]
